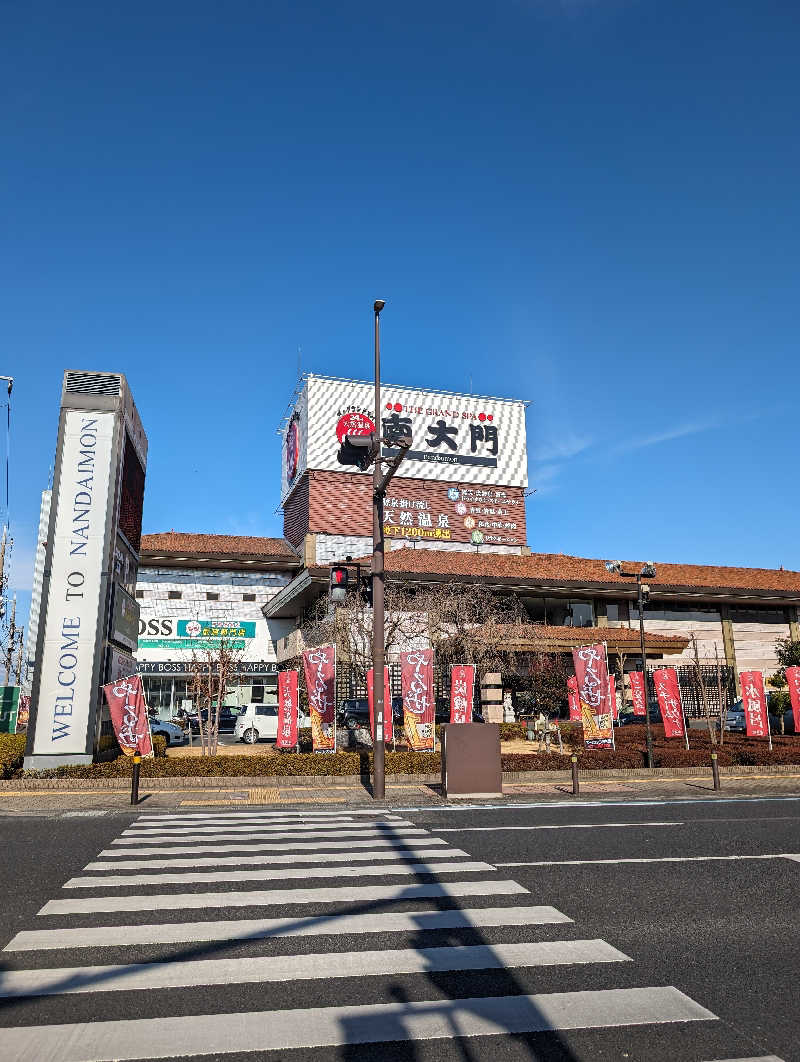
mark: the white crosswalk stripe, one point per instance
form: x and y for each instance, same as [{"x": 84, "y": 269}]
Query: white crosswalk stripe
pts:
[{"x": 417, "y": 927}]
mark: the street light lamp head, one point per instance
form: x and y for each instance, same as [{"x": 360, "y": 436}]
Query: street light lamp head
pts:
[
  {"x": 379, "y": 305},
  {"x": 614, "y": 567}
]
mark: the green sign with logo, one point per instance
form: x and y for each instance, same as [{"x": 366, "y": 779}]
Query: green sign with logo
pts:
[
  {"x": 216, "y": 629},
  {"x": 191, "y": 643},
  {"x": 9, "y": 706}
]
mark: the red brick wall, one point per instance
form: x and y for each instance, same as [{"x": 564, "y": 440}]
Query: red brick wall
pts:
[
  {"x": 295, "y": 513},
  {"x": 340, "y": 503}
]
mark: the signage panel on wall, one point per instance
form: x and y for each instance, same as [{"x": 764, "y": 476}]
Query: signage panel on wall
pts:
[
  {"x": 181, "y": 667},
  {"x": 455, "y": 514},
  {"x": 124, "y": 618},
  {"x": 71, "y": 623},
  {"x": 455, "y": 438}
]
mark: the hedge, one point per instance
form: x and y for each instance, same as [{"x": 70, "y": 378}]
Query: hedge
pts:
[{"x": 12, "y": 752}]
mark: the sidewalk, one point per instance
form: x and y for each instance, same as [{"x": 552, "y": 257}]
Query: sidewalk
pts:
[{"x": 302, "y": 792}]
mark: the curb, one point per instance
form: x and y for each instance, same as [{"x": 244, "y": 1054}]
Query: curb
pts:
[{"x": 328, "y": 781}]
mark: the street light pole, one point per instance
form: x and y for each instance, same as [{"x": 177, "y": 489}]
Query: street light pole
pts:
[
  {"x": 378, "y": 746},
  {"x": 649, "y": 738}
]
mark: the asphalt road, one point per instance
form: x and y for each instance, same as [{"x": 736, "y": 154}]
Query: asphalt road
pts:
[{"x": 663, "y": 932}]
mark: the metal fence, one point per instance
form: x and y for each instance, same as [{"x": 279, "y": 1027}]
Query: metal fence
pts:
[{"x": 691, "y": 685}]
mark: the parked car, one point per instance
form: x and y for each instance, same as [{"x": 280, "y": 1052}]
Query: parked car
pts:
[
  {"x": 259, "y": 722},
  {"x": 171, "y": 732},
  {"x": 354, "y": 713},
  {"x": 629, "y": 717},
  {"x": 227, "y": 719},
  {"x": 735, "y": 720}
]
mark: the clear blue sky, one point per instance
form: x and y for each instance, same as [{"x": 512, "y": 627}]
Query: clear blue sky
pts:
[{"x": 593, "y": 205}]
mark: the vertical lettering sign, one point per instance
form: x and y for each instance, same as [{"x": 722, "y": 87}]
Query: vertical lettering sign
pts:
[
  {"x": 388, "y": 720},
  {"x": 668, "y": 692},
  {"x": 793, "y": 678},
  {"x": 637, "y": 692},
  {"x": 462, "y": 685},
  {"x": 319, "y": 666},
  {"x": 573, "y": 697},
  {"x": 125, "y": 699},
  {"x": 67, "y": 684},
  {"x": 416, "y": 670},
  {"x": 754, "y": 703},
  {"x": 287, "y": 709},
  {"x": 591, "y": 673}
]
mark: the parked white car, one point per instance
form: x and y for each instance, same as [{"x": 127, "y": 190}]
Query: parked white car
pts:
[
  {"x": 259, "y": 722},
  {"x": 174, "y": 734}
]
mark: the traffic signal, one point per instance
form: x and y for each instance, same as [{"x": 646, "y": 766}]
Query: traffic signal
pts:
[
  {"x": 358, "y": 450},
  {"x": 338, "y": 584}
]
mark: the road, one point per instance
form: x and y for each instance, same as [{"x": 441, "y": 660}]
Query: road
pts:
[{"x": 659, "y": 932}]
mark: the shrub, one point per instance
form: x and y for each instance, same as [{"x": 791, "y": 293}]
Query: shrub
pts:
[
  {"x": 12, "y": 751},
  {"x": 512, "y": 731},
  {"x": 159, "y": 746},
  {"x": 678, "y": 756}
]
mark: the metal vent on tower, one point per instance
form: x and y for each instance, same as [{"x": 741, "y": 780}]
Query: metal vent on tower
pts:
[{"x": 92, "y": 383}]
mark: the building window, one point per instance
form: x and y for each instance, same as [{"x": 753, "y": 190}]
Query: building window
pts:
[
  {"x": 174, "y": 595},
  {"x": 248, "y": 597},
  {"x": 212, "y": 597},
  {"x": 559, "y": 611},
  {"x": 140, "y": 593},
  {"x": 758, "y": 615},
  {"x": 680, "y": 611}
]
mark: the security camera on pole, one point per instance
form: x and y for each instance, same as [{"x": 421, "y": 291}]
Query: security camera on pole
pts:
[{"x": 363, "y": 451}]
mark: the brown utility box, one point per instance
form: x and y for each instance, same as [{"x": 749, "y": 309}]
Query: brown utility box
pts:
[{"x": 471, "y": 760}]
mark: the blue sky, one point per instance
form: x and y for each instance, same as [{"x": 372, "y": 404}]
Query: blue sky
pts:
[{"x": 591, "y": 204}]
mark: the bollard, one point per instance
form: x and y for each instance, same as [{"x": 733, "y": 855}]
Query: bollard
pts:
[
  {"x": 576, "y": 788},
  {"x": 715, "y": 770},
  {"x": 137, "y": 762}
]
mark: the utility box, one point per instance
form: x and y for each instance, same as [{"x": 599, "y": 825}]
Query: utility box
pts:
[{"x": 471, "y": 760}]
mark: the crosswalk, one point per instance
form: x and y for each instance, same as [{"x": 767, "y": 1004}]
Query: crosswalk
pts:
[{"x": 352, "y": 924}]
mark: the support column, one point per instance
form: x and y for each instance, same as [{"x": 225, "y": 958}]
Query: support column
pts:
[
  {"x": 729, "y": 644},
  {"x": 794, "y": 625}
]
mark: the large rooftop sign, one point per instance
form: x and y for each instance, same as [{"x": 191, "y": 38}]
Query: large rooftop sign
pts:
[{"x": 455, "y": 438}]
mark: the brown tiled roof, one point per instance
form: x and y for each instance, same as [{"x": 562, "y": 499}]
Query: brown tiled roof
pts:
[
  {"x": 532, "y": 635},
  {"x": 560, "y": 568},
  {"x": 217, "y": 545}
]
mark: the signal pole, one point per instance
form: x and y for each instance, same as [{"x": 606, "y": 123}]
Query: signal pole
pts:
[{"x": 378, "y": 654}]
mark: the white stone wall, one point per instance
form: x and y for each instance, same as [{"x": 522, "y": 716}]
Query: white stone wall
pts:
[
  {"x": 36, "y": 593},
  {"x": 755, "y": 645}
]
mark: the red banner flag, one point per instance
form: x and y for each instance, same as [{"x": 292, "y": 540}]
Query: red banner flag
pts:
[
  {"x": 388, "y": 720},
  {"x": 287, "y": 709},
  {"x": 668, "y": 692},
  {"x": 754, "y": 702},
  {"x": 612, "y": 697},
  {"x": 638, "y": 693},
  {"x": 793, "y": 678},
  {"x": 416, "y": 670},
  {"x": 319, "y": 666},
  {"x": 125, "y": 699},
  {"x": 591, "y": 673},
  {"x": 462, "y": 689},
  {"x": 574, "y": 700}
]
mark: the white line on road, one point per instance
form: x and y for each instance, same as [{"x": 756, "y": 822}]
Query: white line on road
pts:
[
  {"x": 264, "y": 928},
  {"x": 752, "y": 1058},
  {"x": 304, "y": 857},
  {"x": 527, "y": 805},
  {"x": 652, "y": 859},
  {"x": 224, "y": 828},
  {"x": 247, "y": 815},
  {"x": 234, "y": 833},
  {"x": 113, "y": 881},
  {"x": 129, "y": 977},
  {"x": 560, "y": 826},
  {"x": 380, "y": 840},
  {"x": 285, "y": 1030},
  {"x": 348, "y": 894},
  {"x": 271, "y": 835}
]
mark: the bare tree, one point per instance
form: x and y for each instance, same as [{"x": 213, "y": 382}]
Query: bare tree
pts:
[
  {"x": 702, "y": 692},
  {"x": 211, "y": 671}
]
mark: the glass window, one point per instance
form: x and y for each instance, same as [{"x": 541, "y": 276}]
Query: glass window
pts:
[
  {"x": 612, "y": 611},
  {"x": 581, "y": 614},
  {"x": 140, "y": 593},
  {"x": 211, "y": 597},
  {"x": 266, "y": 709},
  {"x": 257, "y": 694},
  {"x": 248, "y": 597},
  {"x": 683, "y": 611},
  {"x": 758, "y": 615},
  {"x": 174, "y": 595},
  {"x": 534, "y": 606},
  {"x": 561, "y": 612}
]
